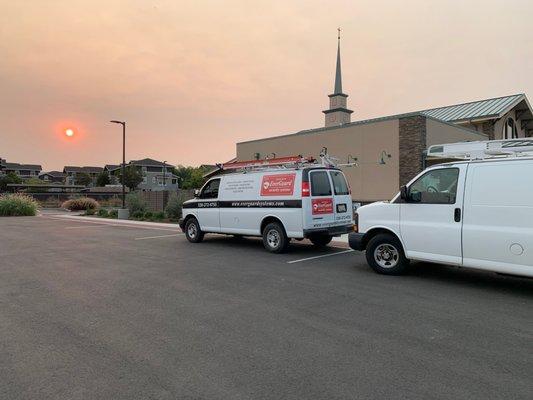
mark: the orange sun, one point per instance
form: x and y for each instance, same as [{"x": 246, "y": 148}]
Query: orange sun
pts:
[{"x": 69, "y": 132}]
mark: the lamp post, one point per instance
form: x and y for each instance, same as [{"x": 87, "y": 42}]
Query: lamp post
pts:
[
  {"x": 164, "y": 174},
  {"x": 123, "y": 123}
]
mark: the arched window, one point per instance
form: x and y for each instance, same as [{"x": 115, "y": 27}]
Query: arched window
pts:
[{"x": 509, "y": 129}]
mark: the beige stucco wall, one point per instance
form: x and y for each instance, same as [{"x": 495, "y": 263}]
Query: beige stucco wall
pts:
[
  {"x": 369, "y": 180},
  {"x": 440, "y": 132}
]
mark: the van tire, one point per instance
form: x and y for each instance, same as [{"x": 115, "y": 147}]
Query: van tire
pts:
[
  {"x": 193, "y": 233},
  {"x": 275, "y": 239},
  {"x": 384, "y": 253},
  {"x": 320, "y": 240}
]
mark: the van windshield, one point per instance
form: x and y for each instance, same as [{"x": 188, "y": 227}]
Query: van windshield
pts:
[{"x": 339, "y": 183}]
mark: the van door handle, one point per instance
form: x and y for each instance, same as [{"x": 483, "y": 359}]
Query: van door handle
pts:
[{"x": 457, "y": 215}]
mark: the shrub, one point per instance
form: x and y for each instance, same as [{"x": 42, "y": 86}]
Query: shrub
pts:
[
  {"x": 113, "y": 214},
  {"x": 90, "y": 211},
  {"x": 17, "y": 205},
  {"x": 135, "y": 202},
  {"x": 80, "y": 203},
  {"x": 102, "y": 212},
  {"x": 137, "y": 215},
  {"x": 148, "y": 215},
  {"x": 174, "y": 206},
  {"x": 159, "y": 215}
]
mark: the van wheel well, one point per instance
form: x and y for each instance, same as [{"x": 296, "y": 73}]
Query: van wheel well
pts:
[
  {"x": 269, "y": 220},
  {"x": 187, "y": 218},
  {"x": 377, "y": 231}
]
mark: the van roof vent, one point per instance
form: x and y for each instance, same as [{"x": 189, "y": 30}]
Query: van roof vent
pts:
[{"x": 483, "y": 150}]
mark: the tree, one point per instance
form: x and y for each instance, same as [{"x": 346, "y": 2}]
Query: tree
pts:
[
  {"x": 133, "y": 177},
  {"x": 103, "y": 179},
  {"x": 83, "y": 178},
  {"x": 10, "y": 177},
  {"x": 190, "y": 177}
]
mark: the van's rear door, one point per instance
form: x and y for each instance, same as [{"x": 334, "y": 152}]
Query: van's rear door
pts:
[
  {"x": 322, "y": 203},
  {"x": 342, "y": 200}
]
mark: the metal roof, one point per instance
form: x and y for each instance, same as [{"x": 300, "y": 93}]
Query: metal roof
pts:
[{"x": 476, "y": 109}]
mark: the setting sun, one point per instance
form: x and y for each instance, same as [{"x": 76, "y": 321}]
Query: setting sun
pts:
[{"x": 69, "y": 132}]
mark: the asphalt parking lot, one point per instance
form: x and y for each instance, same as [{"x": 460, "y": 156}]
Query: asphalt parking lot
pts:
[{"x": 93, "y": 311}]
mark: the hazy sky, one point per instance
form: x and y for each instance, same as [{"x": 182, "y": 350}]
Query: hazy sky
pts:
[{"x": 191, "y": 78}]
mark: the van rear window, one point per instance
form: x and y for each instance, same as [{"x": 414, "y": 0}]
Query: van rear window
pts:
[
  {"x": 339, "y": 183},
  {"x": 320, "y": 184}
]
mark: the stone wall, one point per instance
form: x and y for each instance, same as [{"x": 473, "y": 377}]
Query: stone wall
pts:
[
  {"x": 412, "y": 132},
  {"x": 488, "y": 129}
]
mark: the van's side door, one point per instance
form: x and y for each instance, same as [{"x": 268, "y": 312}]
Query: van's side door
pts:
[
  {"x": 322, "y": 204},
  {"x": 431, "y": 216},
  {"x": 208, "y": 207},
  {"x": 498, "y": 216}
]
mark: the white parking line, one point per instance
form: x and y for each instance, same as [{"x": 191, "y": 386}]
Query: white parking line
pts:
[
  {"x": 322, "y": 256},
  {"x": 88, "y": 226},
  {"x": 157, "y": 237},
  {"x": 125, "y": 225}
]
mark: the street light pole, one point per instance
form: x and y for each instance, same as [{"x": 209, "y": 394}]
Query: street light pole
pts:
[
  {"x": 123, "y": 123},
  {"x": 164, "y": 174}
]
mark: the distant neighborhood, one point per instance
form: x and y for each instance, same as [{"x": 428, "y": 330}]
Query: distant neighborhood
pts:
[{"x": 144, "y": 175}]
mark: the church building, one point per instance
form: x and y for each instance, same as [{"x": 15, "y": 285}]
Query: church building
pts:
[{"x": 390, "y": 150}]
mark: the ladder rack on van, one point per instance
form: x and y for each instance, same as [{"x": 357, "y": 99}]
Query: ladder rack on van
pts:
[
  {"x": 483, "y": 149},
  {"x": 280, "y": 162}
]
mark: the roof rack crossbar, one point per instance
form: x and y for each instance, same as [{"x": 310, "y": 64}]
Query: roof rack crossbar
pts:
[{"x": 483, "y": 149}]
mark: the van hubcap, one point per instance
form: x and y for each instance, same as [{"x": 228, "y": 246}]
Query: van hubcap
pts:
[
  {"x": 191, "y": 230},
  {"x": 386, "y": 255},
  {"x": 273, "y": 238}
]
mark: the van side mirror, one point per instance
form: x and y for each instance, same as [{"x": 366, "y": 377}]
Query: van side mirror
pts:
[
  {"x": 404, "y": 193},
  {"x": 196, "y": 192}
]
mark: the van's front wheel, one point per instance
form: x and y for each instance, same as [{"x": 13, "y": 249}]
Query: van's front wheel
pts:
[
  {"x": 193, "y": 233},
  {"x": 384, "y": 253},
  {"x": 275, "y": 239}
]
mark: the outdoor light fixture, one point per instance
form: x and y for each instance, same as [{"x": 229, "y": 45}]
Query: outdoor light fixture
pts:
[{"x": 383, "y": 157}]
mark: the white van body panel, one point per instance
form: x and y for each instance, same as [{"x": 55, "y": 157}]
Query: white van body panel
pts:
[
  {"x": 380, "y": 215},
  {"x": 498, "y": 216}
]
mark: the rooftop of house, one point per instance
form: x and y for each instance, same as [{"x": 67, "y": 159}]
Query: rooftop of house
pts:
[
  {"x": 25, "y": 167},
  {"x": 148, "y": 162},
  {"x": 55, "y": 174},
  {"x": 88, "y": 170}
]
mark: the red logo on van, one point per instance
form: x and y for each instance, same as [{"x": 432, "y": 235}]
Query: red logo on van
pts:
[
  {"x": 322, "y": 206},
  {"x": 278, "y": 185}
]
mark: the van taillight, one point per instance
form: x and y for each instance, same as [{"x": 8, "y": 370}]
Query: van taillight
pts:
[
  {"x": 305, "y": 189},
  {"x": 356, "y": 222}
]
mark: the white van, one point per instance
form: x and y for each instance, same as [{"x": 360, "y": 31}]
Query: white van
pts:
[
  {"x": 475, "y": 213},
  {"x": 306, "y": 201}
]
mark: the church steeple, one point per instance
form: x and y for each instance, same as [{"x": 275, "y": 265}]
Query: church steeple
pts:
[
  {"x": 337, "y": 114},
  {"x": 338, "y": 74}
]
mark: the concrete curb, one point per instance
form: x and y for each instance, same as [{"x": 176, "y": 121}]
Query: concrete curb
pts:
[{"x": 119, "y": 221}]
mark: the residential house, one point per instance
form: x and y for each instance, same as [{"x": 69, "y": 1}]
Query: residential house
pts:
[
  {"x": 71, "y": 172},
  {"x": 24, "y": 171},
  {"x": 53, "y": 176},
  {"x": 156, "y": 174}
]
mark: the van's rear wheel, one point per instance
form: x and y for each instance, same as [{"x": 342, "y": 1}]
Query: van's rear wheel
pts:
[
  {"x": 384, "y": 253},
  {"x": 193, "y": 233},
  {"x": 320, "y": 240},
  {"x": 275, "y": 239}
]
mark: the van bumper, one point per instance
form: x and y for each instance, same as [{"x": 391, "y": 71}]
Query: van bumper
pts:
[
  {"x": 355, "y": 241},
  {"x": 330, "y": 230}
]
